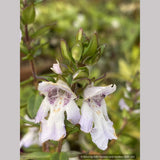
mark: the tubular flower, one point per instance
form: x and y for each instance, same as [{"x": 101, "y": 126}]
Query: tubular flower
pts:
[
  {"x": 58, "y": 99},
  {"x": 56, "y": 68},
  {"x": 94, "y": 111}
]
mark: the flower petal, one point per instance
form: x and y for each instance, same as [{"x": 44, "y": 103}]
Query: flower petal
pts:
[
  {"x": 97, "y": 134},
  {"x": 53, "y": 128},
  {"x": 102, "y": 131},
  {"x": 109, "y": 130},
  {"x": 43, "y": 110},
  {"x": 86, "y": 120},
  {"x": 136, "y": 111},
  {"x": 45, "y": 87},
  {"x": 109, "y": 89},
  {"x": 73, "y": 112},
  {"x": 30, "y": 138},
  {"x": 104, "y": 109},
  {"x": 123, "y": 105},
  {"x": 90, "y": 91},
  {"x": 62, "y": 85}
]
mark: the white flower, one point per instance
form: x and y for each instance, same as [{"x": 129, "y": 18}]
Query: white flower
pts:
[
  {"x": 56, "y": 68},
  {"x": 94, "y": 111},
  {"x": 128, "y": 87},
  {"x": 79, "y": 21},
  {"x": 58, "y": 99},
  {"x": 31, "y": 137},
  {"x": 115, "y": 23},
  {"x": 136, "y": 111},
  {"x": 123, "y": 105}
]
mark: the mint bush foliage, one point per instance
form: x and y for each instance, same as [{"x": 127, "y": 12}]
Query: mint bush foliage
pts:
[{"x": 65, "y": 31}]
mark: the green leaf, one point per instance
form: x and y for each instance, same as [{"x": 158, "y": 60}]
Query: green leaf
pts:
[
  {"x": 94, "y": 59},
  {"x": 55, "y": 156},
  {"x": 33, "y": 104},
  {"x": 69, "y": 124},
  {"x": 37, "y": 155},
  {"x": 92, "y": 47},
  {"x": 74, "y": 130},
  {"x": 81, "y": 73},
  {"x": 46, "y": 156},
  {"x": 37, "y": 49},
  {"x": 38, "y": 1},
  {"x": 27, "y": 57},
  {"x": 63, "y": 156},
  {"x": 69, "y": 79},
  {"x": 71, "y": 128},
  {"x": 23, "y": 49},
  {"x": 28, "y": 14},
  {"x": 42, "y": 30},
  {"x": 25, "y": 92}
]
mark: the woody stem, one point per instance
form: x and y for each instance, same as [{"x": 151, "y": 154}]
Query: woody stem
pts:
[
  {"x": 34, "y": 73},
  {"x": 27, "y": 40},
  {"x": 60, "y": 146}
]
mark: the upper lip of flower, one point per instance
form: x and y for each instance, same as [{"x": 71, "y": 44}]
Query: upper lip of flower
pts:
[
  {"x": 93, "y": 91},
  {"x": 59, "y": 85}
]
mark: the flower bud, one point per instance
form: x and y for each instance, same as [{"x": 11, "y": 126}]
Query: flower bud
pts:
[
  {"x": 79, "y": 35},
  {"x": 64, "y": 50},
  {"x": 94, "y": 59},
  {"x": 92, "y": 47},
  {"x": 56, "y": 68},
  {"x": 77, "y": 51}
]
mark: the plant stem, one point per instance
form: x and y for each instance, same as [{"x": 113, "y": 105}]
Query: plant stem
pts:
[
  {"x": 102, "y": 77},
  {"x": 33, "y": 69},
  {"x": 26, "y": 81},
  {"x": 45, "y": 147},
  {"x": 27, "y": 35},
  {"x": 34, "y": 73},
  {"x": 60, "y": 146}
]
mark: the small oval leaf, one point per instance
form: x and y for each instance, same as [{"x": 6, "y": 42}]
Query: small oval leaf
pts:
[
  {"x": 28, "y": 14},
  {"x": 33, "y": 104}
]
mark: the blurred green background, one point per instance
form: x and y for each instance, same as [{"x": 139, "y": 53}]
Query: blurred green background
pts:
[{"x": 118, "y": 25}]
